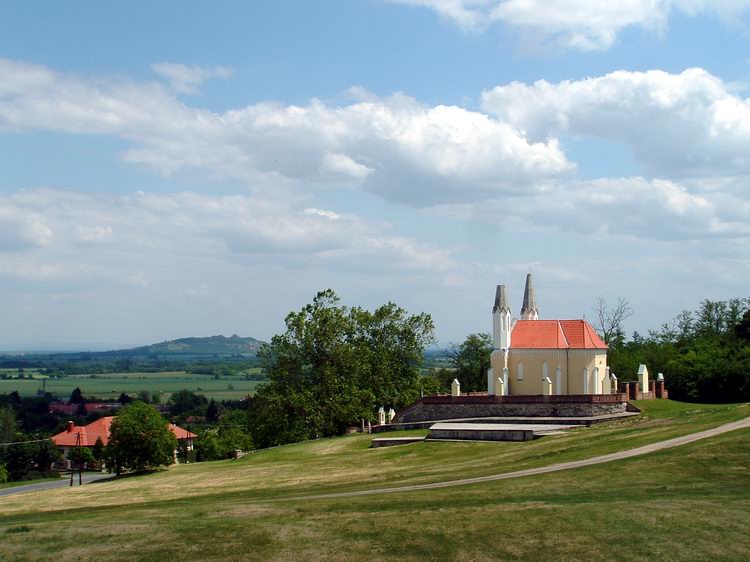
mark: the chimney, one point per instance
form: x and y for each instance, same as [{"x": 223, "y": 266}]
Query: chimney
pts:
[{"x": 69, "y": 427}]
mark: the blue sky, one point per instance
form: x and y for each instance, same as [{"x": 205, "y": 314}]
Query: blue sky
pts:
[{"x": 171, "y": 169}]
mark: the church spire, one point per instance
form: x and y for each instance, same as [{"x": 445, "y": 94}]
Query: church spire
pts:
[
  {"x": 501, "y": 320},
  {"x": 529, "y": 309},
  {"x": 501, "y": 299}
]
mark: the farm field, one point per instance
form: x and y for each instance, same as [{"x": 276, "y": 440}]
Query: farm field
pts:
[
  {"x": 109, "y": 386},
  {"x": 685, "y": 503}
]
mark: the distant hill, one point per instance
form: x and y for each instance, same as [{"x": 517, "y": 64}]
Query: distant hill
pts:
[{"x": 207, "y": 346}]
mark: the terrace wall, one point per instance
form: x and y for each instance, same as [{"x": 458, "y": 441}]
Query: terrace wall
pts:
[{"x": 445, "y": 407}]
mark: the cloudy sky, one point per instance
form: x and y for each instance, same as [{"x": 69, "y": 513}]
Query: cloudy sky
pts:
[{"x": 171, "y": 169}]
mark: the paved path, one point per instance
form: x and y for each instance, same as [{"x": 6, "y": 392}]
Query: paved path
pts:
[
  {"x": 88, "y": 477},
  {"x": 661, "y": 445}
]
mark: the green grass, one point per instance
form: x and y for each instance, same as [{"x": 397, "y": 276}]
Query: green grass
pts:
[
  {"x": 108, "y": 386},
  {"x": 686, "y": 503}
]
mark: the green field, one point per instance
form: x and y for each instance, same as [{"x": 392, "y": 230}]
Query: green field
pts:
[
  {"x": 109, "y": 386},
  {"x": 687, "y": 503}
]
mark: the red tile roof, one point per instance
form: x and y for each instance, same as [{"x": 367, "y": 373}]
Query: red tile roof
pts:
[
  {"x": 100, "y": 429},
  {"x": 555, "y": 334}
]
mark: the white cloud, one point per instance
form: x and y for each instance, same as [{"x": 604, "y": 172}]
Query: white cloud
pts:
[
  {"x": 187, "y": 79},
  {"x": 106, "y": 235},
  {"x": 395, "y": 147},
  {"x": 679, "y": 125},
  {"x": 689, "y": 129},
  {"x": 621, "y": 207},
  {"x": 584, "y": 25}
]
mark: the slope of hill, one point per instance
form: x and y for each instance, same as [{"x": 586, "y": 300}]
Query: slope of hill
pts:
[{"x": 686, "y": 503}]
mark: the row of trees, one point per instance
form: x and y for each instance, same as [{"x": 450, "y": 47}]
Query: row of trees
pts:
[
  {"x": 29, "y": 455},
  {"x": 704, "y": 354}
]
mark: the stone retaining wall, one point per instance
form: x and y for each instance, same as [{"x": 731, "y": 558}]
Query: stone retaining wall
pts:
[{"x": 457, "y": 407}]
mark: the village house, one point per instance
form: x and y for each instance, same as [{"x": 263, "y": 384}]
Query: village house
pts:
[{"x": 87, "y": 436}]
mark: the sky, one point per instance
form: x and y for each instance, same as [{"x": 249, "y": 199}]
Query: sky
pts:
[{"x": 184, "y": 168}]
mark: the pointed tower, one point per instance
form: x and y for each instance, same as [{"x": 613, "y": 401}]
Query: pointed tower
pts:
[
  {"x": 501, "y": 328},
  {"x": 501, "y": 319},
  {"x": 529, "y": 309}
]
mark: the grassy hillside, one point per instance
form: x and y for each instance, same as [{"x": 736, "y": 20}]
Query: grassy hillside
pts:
[{"x": 684, "y": 503}]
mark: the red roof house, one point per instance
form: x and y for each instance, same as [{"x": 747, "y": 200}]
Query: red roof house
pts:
[{"x": 100, "y": 429}]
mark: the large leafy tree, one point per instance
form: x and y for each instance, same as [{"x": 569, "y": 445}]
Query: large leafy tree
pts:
[
  {"x": 140, "y": 439},
  {"x": 335, "y": 365},
  {"x": 470, "y": 361}
]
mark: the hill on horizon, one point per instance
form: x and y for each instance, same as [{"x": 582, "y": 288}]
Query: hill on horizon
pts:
[{"x": 209, "y": 345}]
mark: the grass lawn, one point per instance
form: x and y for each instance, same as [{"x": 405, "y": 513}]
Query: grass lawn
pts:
[
  {"x": 687, "y": 503},
  {"x": 108, "y": 386}
]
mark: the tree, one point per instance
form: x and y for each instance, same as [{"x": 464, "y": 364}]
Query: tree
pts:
[
  {"x": 334, "y": 366},
  {"x": 76, "y": 397},
  {"x": 140, "y": 439},
  {"x": 609, "y": 320},
  {"x": 98, "y": 449},
  {"x": 471, "y": 360},
  {"x": 8, "y": 425},
  {"x": 742, "y": 329},
  {"x": 212, "y": 411},
  {"x": 184, "y": 402}
]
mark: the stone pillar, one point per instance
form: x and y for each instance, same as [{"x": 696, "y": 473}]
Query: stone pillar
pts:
[
  {"x": 456, "y": 388},
  {"x": 547, "y": 387},
  {"x": 659, "y": 393},
  {"x": 625, "y": 389},
  {"x": 391, "y": 415},
  {"x": 635, "y": 391},
  {"x": 643, "y": 377},
  {"x": 613, "y": 382},
  {"x": 499, "y": 387},
  {"x": 381, "y": 416}
]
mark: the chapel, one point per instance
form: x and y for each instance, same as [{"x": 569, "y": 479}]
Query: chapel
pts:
[{"x": 549, "y": 357}]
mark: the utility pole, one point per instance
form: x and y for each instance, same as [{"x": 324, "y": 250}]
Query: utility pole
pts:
[{"x": 80, "y": 462}]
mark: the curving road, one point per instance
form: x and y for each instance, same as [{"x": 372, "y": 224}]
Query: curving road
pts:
[
  {"x": 88, "y": 477},
  {"x": 659, "y": 446}
]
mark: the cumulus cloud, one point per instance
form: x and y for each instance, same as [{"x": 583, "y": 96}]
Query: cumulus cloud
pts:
[
  {"x": 690, "y": 130},
  {"x": 60, "y": 233},
  {"x": 584, "y": 25},
  {"x": 679, "y": 125},
  {"x": 631, "y": 207},
  {"x": 187, "y": 79},
  {"x": 395, "y": 147}
]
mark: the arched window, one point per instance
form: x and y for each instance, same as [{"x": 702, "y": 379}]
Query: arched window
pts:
[
  {"x": 519, "y": 371},
  {"x": 558, "y": 381},
  {"x": 585, "y": 380},
  {"x": 545, "y": 371}
]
